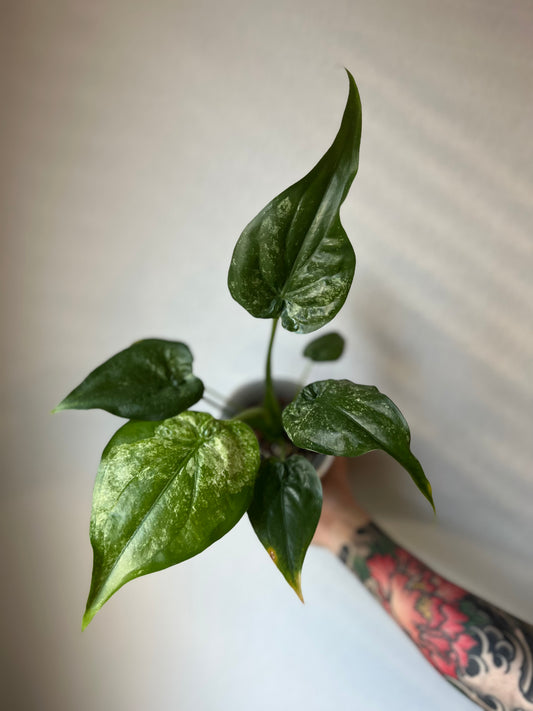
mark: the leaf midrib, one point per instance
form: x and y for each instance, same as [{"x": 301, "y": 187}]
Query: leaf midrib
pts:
[
  {"x": 185, "y": 462},
  {"x": 372, "y": 436},
  {"x": 297, "y": 261}
]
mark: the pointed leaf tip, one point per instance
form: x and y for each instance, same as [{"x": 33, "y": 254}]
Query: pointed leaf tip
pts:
[
  {"x": 346, "y": 419},
  {"x": 87, "y": 617},
  {"x": 284, "y": 513},
  {"x": 429, "y": 497},
  {"x": 296, "y": 585},
  {"x": 164, "y": 492},
  {"x": 294, "y": 260}
]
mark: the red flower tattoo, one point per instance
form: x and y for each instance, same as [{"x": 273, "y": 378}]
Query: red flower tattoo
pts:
[{"x": 426, "y": 606}]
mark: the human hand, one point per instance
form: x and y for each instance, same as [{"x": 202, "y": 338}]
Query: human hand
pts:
[{"x": 341, "y": 514}]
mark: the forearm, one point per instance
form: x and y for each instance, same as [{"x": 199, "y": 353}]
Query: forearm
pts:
[{"x": 482, "y": 650}]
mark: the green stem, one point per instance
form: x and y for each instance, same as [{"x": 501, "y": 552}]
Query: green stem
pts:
[
  {"x": 270, "y": 402},
  {"x": 269, "y": 353}
]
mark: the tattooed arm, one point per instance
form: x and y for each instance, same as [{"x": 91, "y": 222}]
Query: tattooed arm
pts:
[{"x": 485, "y": 652}]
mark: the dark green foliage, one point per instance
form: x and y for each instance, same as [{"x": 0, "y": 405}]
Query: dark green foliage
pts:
[
  {"x": 294, "y": 259},
  {"x": 150, "y": 380},
  {"x": 345, "y": 419},
  {"x": 325, "y": 348},
  {"x": 164, "y": 492},
  {"x": 171, "y": 482},
  {"x": 285, "y": 511}
]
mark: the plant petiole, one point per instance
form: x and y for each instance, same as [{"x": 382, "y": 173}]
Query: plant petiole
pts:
[{"x": 271, "y": 404}]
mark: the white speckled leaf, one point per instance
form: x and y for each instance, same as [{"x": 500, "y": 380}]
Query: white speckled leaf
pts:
[
  {"x": 345, "y": 419},
  {"x": 294, "y": 259},
  {"x": 164, "y": 492}
]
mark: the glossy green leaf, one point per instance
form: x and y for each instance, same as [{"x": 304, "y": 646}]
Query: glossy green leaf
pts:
[
  {"x": 327, "y": 347},
  {"x": 164, "y": 492},
  {"x": 150, "y": 380},
  {"x": 285, "y": 511},
  {"x": 294, "y": 259},
  {"x": 344, "y": 419}
]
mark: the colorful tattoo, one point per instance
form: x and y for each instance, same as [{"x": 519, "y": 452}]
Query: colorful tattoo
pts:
[{"x": 483, "y": 651}]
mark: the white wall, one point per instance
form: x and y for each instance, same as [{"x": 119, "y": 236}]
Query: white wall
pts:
[{"x": 138, "y": 138}]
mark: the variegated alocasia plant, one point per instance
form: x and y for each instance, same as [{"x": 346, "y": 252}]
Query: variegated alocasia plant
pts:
[{"x": 172, "y": 481}]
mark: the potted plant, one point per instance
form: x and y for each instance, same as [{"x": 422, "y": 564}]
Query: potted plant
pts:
[{"x": 173, "y": 480}]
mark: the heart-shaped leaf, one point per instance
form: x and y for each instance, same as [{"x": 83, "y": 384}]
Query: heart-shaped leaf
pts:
[
  {"x": 327, "y": 347},
  {"x": 285, "y": 511},
  {"x": 150, "y": 380},
  {"x": 164, "y": 492},
  {"x": 294, "y": 259},
  {"x": 344, "y": 419}
]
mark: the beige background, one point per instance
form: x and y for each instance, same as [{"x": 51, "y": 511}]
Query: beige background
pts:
[{"x": 138, "y": 138}]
